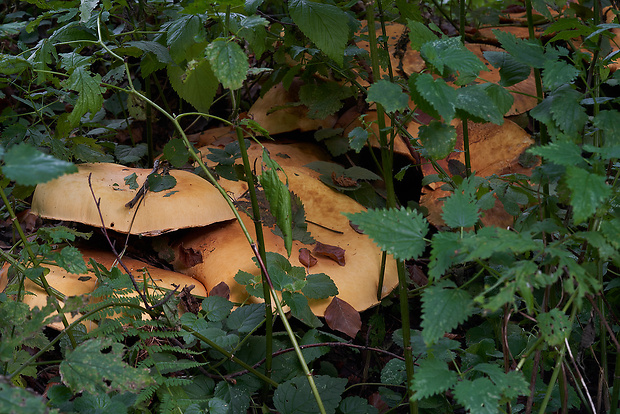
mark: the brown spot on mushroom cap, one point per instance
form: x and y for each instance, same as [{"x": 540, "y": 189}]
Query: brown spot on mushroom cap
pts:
[
  {"x": 192, "y": 202},
  {"x": 226, "y": 251}
]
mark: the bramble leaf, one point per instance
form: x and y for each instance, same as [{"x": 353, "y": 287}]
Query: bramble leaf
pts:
[
  {"x": 176, "y": 153},
  {"x": 389, "y": 95},
  {"x": 28, "y": 166},
  {"x": 196, "y": 84},
  {"x": 557, "y": 73},
  {"x": 478, "y": 396},
  {"x": 588, "y": 192},
  {"x": 325, "y": 24},
  {"x": 319, "y": 286},
  {"x": 295, "y": 396},
  {"x": 398, "y": 232},
  {"x": 228, "y": 62},
  {"x": 356, "y": 405},
  {"x": 90, "y": 98},
  {"x": 216, "y": 308},
  {"x": 444, "y": 307},
  {"x": 432, "y": 377}
]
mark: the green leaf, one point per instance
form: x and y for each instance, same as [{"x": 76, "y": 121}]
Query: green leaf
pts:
[
  {"x": 90, "y": 98},
  {"x": 432, "y": 377},
  {"x": 181, "y": 35},
  {"x": 450, "y": 53},
  {"x": 155, "y": 48},
  {"x": 86, "y": 8},
  {"x": 478, "y": 396},
  {"x": 358, "y": 138},
  {"x": 246, "y": 318},
  {"x": 279, "y": 198},
  {"x": 325, "y": 24},
  {"x": 477, "y": 105},
  {"x": 564, "y": 153},
  {"x": 419, "y": 34},
  {"x": 216, "y": 308},
  {"x": 176, "y": 152},
  {"x": 527, "y": 52},
  {"x": 554, "y": 326},
  {"x": 500, "y": 97},
  {"x": 388, "y": 94},
  {"x": 71, "y": 260},
  {"x": 609, "y": 123},
  {"x": 398, "y": 232},
  {"x": 356, "y": 405},
  {"x": 196, "y": 84},
  {"x": 588, "y": 192},
  {"x": 228, "y": 62},
  {"x": 295, "y": 395},
  {"x": 438, "y": 139},
  {"x": 17, "y": 400},
  {"x": 460, "y": 210},
  {"x": 394, "y": 372},
  {"x": 438, "y": 94},
  {"x": 557, "y": 73},
  {"x": 28, "y": 166},
  {"x": 511, "y": 384},
  {"x": 300, "y": 308},
  {"x": 511, "y": 71},
  {"x": 131, "y": 181},
  {"x": 127, "y": 154},
  {"x": 567, "y": 111},
  {"x": 444, "y": 307},
  {"x": 90, "y": 369},
  {"x": 323, "y": 99},
  {"x": 319, "y": 286},
  {"x": 160, "y": 182}
]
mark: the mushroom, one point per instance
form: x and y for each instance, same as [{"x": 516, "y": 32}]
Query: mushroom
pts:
[
  {"x": 71, "y": 284},
  {"x": 224, "y": 250},
  {"x": 192, "y": 202}
]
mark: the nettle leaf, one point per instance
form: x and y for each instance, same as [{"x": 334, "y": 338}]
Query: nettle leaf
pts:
[
  {"x": 510, "y": 384},
  {"x": 419, "y": 34},
  {"x": 438, "y": 139},
  {"x": 323, "y": 99},
  {"x": 90, "y": 369},
  {"x": 279, "y": 198},
  {"x": 319, "y": 286},
  {"x": 567, "y": 111},
  {"x": 181, "y": 34},
  {"x": 511, "y": 71},
  {"x": 438, "y": 94},
  {"x": 432, "y": 377},
  {"x": 90, "y": 98},
  {"x": 460, "y": 210},
  {"x": 295, "y": 395},
  {"x": 528, "y": 52},
  {"x": 588, "y": 192},
  {"x": 325, "y": 24},
  {"x": 398, "y": 232},
  {"x": 28, "y": 166},
  {"x": 478, "y": 105},
  {"x": 565, "y": 153},
  {"x": 609, "y": 123},
  {"x": 228, "y": 62},
  {"x": 501, "y": 97},
  {"x": 478, "y": 396},
  {"x": 388, "y": 94},
  {"x": 444, "y": 307},
  {"x": 451, "y": 53}
]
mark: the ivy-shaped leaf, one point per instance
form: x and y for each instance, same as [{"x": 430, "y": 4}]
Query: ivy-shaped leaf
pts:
[
  {"x": 325, "y": 24},
  {"x": 444, "y": 307},
  {"x": 228, "y": 62},
  {"x": 90, "y": 98},
  {"x": 398, "y": 232},
  {"x": 28, "y": 166}
]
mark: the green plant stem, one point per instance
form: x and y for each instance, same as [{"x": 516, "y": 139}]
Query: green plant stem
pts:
[
  {"x": 261, "y": 250},
  {"x": 616, "y": 387},
  {"x": 35, "y": 263}
]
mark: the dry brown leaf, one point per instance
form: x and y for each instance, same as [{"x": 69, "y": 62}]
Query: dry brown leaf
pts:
[
  {"x": 333, "y": 252},
  {"x": 343, "y": 181},
  {"x": 221, "y": 290},
  {"x": 340, "y": 316},
  {"x": 306, "y": 258}
]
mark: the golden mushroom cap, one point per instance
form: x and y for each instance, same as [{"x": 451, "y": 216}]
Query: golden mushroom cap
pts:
[{"x": 192, "y": 202}]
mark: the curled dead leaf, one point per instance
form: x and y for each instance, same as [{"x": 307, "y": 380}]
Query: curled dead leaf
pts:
[
  {"x": 306, "y": 258},
  {"x": 343, "y": 181},
  {"x": 333, "y": 252}
]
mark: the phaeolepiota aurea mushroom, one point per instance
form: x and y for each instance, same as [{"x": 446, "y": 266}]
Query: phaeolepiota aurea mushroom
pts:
[{"x": 192, "y": 202}]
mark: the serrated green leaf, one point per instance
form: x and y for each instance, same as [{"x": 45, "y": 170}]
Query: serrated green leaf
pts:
[
  {"x": 510, "y": 385},
  {"x": 322, "y": 99},
  {"x": 500, "y": 97},
  {"x": 246, "y": 318},
  {"x": 279, "y": 198},
  {"x": 444, "y": 307},
  {"x": 450, "y": 53},
  {"x": 196, "y": 84},
  {"x": 162, "y": 53},
  {"x": 432, "y": 377},
  {"x": 356, "y": 405},
  {"x": 609, "y": 123},
  {"x": 388, "y": 94},
  {"x": 444, "y": 250},
  {"x": 18, "y": 400},
  {"x": 394, "y": 372},
  {"x": 127, "y": 154},
  {"x": 567, "y": 111},
  {"x": 181, "y": 34},
  {"x": 438, "y": 139},
  {"x": 557, "y": 73},
  {"x": 358, "y": 138},
  {"x": 176, "y": 152},
  {"x": 564, "y": 153},
  {"x": 460, "y": 210},
  {"x": 86, "y": 8},
  {"x": 71, "y": 260},
  {"x": 300, "y": 308},
  {"x": 228, "y": 62},
  {"x": 419, "y": 34},
  {"x": 88, "y": 369},
  {"x": 528, "y": 52},
  {"x": 478, "y": 396},
  {"x": 216, "y": 308},
  {"x": 161, "y": 182},
  {"x": 439, "y": 94},
  {"x": 295, "y": 395},
  {"x": 477, "y": 105},
  {"x": 511, "y": 71},
  {"x": 398, "y": 232},
  {"x": 90, "y": 98},
  {"x": 325, "y": 24},
  {"x": 27, "y": 166},
  {"x": 554, "y": 326},
  {"x": 319, "y": 286},
  {"x": 588, "y": 192}
]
